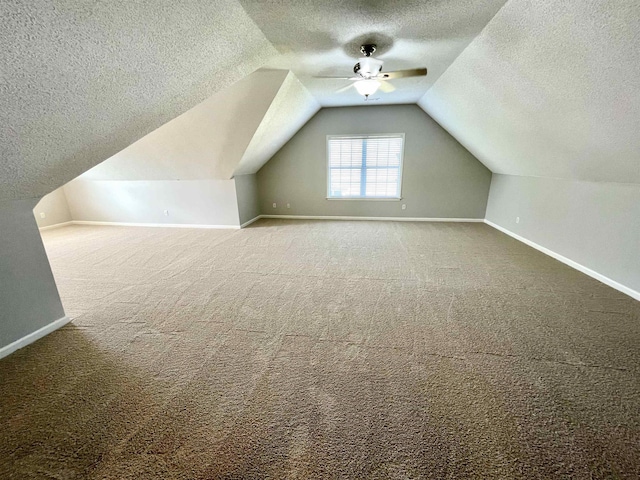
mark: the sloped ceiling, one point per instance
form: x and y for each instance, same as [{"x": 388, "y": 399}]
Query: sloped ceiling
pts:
[
  {"x": 292, "y": 107},
  {"x": 81, "y": 80},
  {"x": 324, "y": 37},
  {"x": 206, "y": 142},
  {"x": 549, "y": 89}
]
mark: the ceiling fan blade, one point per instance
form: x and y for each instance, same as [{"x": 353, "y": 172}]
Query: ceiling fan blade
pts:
[
  {"x": 335, "y": 78},
  {"x": 386, "y": 87},
  {"x": 344, "y": 89},
  {"x": 414, "y": 72}
]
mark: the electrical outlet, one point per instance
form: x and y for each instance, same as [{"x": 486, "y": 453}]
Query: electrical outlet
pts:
[
  {"x": 43, "y": 215},
  {"x": 166, "y": 213},
  {"x": 517, "y": 219},
  {"x": 274, "y": 204},
  {"x": 404, "y": 206},
  {"x": 288, "y": 205}
]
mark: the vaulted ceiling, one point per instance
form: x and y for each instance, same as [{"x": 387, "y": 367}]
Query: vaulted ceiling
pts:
[
  {"x": 543, "y": 88},
  {"x": 324, "y": 38},
  {"x": 550, "y": 88}
]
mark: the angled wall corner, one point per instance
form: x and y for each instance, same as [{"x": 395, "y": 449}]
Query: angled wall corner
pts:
[
  {"x": 451, "y": 131},
  {"x": 206, "y": 142},
  {"x": 545, "y": 90},
  {"x": 53, "y": 209},
  {"x": 247, "y": 196},
  {"x": 180, "y": 174},
  {"x": 291, "y": 109},
  {"x": 28, "y": 293}
]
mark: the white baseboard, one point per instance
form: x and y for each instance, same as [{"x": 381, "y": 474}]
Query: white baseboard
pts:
[
  {"x": 154, "y": 225},
  {"x": 388, "y": 219},
  {"x": 236, "y": 227},
  {"x": 246, "y": 224},
  {"x": 567, "y": 261},
  {"x": 57, "y": 225},
  {"x": 32, "y": 337}
]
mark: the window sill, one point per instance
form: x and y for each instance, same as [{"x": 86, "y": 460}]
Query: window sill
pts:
[{"x": 366, "y": 199}]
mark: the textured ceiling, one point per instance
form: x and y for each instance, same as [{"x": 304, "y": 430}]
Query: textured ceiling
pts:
[
  {"x": 81, "y": 80},
  {"x": 323, "y": 38},
  {"x": 549, "y": 89},
  {"x": 206, "y": 142}
]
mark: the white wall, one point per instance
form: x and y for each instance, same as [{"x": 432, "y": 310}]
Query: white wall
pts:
[
  {"x": 55, "y": 208},
  {"x": 192, "y": 202},
  {"x": 29, "y": 297},
  {"x": 206, "y": 142},
  {"x": 291, "y": 108},
  {"x": 595, "y": 224},
  {"x": 186, "y": 166}
]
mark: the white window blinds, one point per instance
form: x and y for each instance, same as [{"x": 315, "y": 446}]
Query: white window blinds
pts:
[{"x": 365, "y": 166}]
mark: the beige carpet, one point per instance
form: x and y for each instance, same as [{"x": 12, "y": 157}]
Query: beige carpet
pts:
[{"x": 299, "y": 349}]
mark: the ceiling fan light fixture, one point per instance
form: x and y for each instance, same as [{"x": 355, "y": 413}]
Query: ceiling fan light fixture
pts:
[{"x": 367, "y": 87}]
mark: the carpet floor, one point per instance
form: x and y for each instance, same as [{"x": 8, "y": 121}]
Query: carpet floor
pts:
[{"x": 320, "y": 349}]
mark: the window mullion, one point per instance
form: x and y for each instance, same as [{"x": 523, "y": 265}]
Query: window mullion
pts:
[{"x": 363, "y": 170}]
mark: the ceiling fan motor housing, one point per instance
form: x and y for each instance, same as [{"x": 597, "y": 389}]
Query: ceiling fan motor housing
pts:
[
  {"x": 368, "y": 67},
  {"x": 367, "y": 50}
]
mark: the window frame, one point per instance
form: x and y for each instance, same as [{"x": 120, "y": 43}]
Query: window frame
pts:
[{"x": 366, "y": 136}]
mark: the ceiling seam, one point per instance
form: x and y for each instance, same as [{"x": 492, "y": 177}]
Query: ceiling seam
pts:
[{"x": 463, "y": 50}]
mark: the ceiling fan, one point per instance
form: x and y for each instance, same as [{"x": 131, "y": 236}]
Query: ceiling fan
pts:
[{"x": 369, "y": 76}]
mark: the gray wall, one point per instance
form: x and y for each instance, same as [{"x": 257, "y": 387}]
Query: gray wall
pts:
[
  {"x": 55, "y": 208},
  {"x": 247, "y": 193},
  {"x": 441, "y": 179},
  {"x": 29, "y": 297},
  {"x": 195, "y": 202},
  {"x": 594, "y": 224}
]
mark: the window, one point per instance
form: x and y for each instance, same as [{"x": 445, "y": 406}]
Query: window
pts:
[{"x": 365, "y": 166}]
